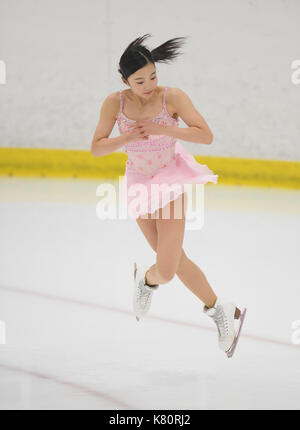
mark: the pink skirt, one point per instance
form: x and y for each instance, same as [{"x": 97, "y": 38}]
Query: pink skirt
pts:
[{"x": 147, "y": 193}]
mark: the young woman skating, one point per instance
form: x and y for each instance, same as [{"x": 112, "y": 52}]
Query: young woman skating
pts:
[{"x": 148, "y": 117}]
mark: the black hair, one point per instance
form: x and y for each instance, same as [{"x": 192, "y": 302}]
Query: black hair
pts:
[{"x": 137, "y": 55}]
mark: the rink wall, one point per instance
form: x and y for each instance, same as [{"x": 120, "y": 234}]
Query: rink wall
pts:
[
  {"x": 30, "y": 162},
  {"x": 61, "y": 63}
]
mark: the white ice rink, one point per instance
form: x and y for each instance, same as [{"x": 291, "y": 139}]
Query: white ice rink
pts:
[{"x": 72, "y": 340}]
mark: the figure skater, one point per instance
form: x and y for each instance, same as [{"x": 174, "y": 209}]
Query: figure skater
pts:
[{"x": 148, "y": 117}]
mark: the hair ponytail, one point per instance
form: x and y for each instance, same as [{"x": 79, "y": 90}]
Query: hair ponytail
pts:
[
  {"x": 168, "y": 50},
  {"x": 137, "y": 55}
]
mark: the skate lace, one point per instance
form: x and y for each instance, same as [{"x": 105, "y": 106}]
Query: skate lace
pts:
[
  {"x": 143, "y": 294},
  {"x": 221, "y": 322}
]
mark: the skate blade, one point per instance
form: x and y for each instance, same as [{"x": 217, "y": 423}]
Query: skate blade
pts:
[
  {"x": 233, "y": 346},
  {"x": 134, "y": 270}
]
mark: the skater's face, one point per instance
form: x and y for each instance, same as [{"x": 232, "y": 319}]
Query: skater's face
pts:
[{"x": 144, "y": 80}]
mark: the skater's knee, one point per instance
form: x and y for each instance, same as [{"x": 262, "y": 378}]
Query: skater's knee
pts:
[
  {"x": 166, "y": 273},
  {"x": 168, "y": 268}
]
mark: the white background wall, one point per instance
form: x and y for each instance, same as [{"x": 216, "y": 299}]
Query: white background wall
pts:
[{"x": 62, "y": 55}]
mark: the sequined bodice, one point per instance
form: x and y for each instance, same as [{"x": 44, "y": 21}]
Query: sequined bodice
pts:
[{"x": 146, "y": 156}]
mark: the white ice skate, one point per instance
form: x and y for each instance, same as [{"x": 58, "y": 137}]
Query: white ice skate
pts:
[
  {"x": 142, "y": 292},
  {"x": 224, "y": 313}
]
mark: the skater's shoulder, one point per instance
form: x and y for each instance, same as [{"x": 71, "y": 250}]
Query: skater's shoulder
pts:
[
  {"x": 187, "y": 111},
  {"x": 112, "y": 101}
]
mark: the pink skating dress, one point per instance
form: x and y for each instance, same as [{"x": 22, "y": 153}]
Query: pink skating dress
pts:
[{"x": 156, "y": 164}]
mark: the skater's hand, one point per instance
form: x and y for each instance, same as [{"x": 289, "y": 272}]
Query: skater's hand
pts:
[{"x": 143, "y": 128}]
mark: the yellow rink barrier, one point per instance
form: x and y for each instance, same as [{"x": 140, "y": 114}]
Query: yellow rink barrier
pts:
[{"x": 67, "y": 163}]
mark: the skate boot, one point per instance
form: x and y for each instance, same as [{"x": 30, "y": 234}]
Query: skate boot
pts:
[
  {"x": 224, "y": 313},
  {"x": 142, "y": 292}
]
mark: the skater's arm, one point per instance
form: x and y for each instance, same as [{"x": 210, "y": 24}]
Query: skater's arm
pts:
[
  {"x": 106, "y": 145},
  {"x": 189, "y": 134},
  {"x": 198, "y": 130},
  {"x": 101, "y": 143}
]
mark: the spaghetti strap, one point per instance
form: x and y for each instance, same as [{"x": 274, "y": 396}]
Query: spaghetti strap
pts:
[{"x": 164, "y": 100}]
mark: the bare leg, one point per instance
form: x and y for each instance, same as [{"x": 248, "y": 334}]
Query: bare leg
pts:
[
  {"x": 165, "y": 240},
  {"x": 153, "y": 277},
  {"x": 192, "y": 277},
  {"x": 170, "y": 226}
]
